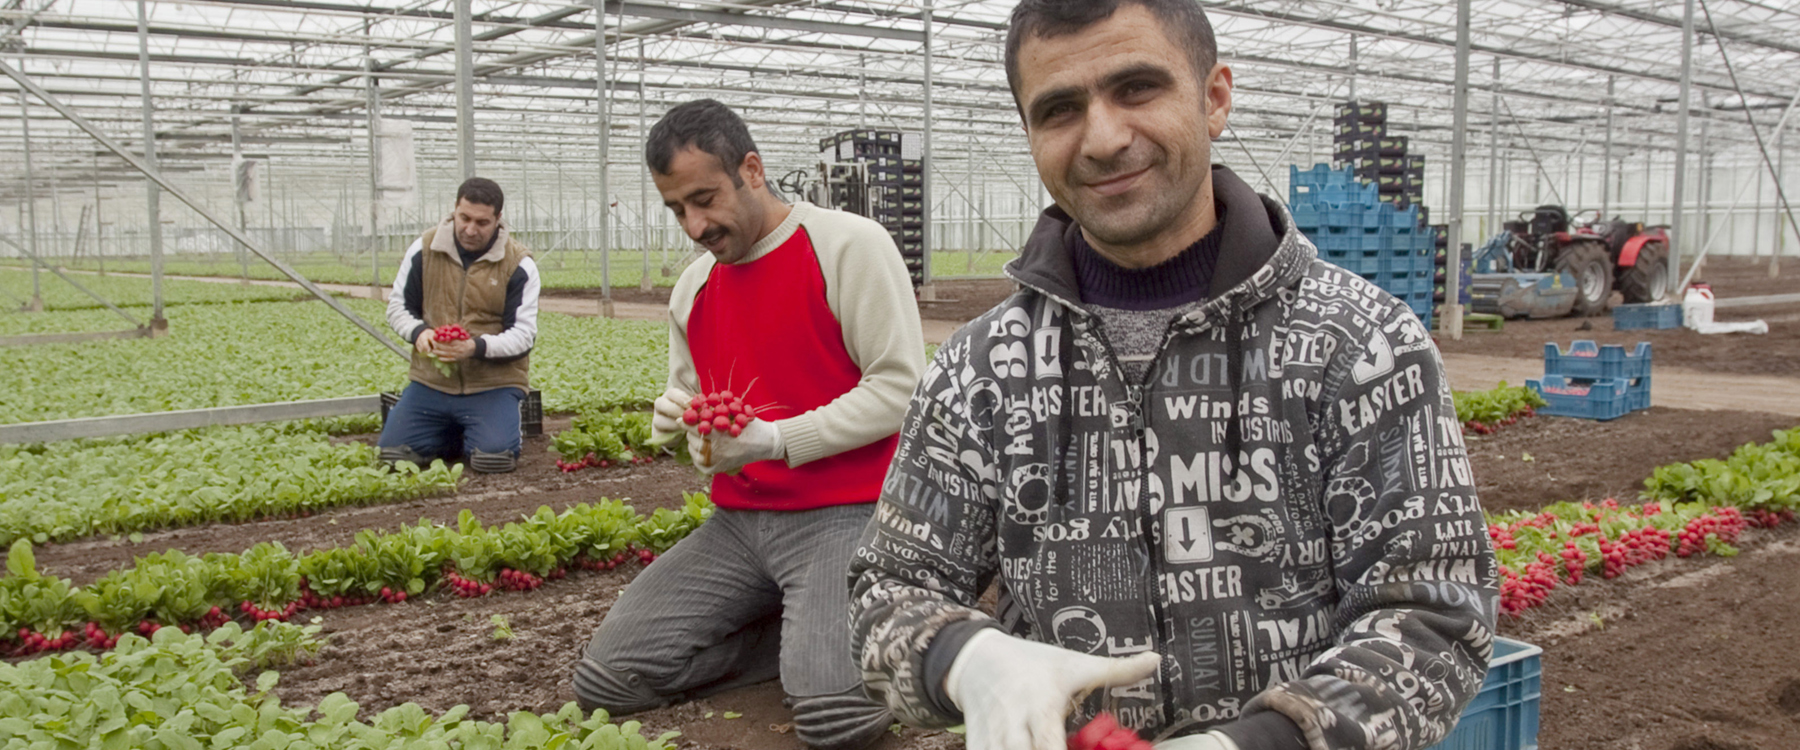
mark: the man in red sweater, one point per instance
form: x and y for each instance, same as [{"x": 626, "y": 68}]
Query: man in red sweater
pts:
[{"x": 808, "y": 315}]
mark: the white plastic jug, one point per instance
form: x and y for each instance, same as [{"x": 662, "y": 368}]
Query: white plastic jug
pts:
[{"x": 1697, "y": 313}]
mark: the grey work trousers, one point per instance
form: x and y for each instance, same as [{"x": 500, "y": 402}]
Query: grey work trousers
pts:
[{"x": 749, "y": 596}]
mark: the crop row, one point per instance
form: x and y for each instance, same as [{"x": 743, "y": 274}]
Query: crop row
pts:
[
  {"x": 73, "y": 489},
  {"x": 1693, "y": 508},
  {"x": 1484, "y": 412},
  {"x": 175, "y": 691},
  {"x": 252, "y": 353},
  {"x": 267, "y": 582},
  {"x": 600, "y": 438}
]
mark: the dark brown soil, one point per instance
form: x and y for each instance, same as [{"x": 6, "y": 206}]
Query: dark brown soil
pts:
[
  {"x": 440, "y": 652},
  {"x": 1775, "y": 353},
  {"x": 1576, "y": 459},
  {"x": 1676, "y": 655},
  {"x": 495, "y": 498}
]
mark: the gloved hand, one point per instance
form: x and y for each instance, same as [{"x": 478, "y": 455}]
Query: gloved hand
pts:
[
  {"x": 665, "y": 419},
  {"x": 1208, "y": 741},
  {"x": 1015, "y": 694},
  {"x": 760, "y": 441}
]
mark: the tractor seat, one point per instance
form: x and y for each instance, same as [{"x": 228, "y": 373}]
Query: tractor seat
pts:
[{"x": 1547, "y": 220}]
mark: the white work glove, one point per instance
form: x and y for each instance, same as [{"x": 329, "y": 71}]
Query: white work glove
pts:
[
  {"x": 1208, "y": 741},
  {"x": 665, "y": 420},
  {"x": 760, "y": 441},
  {"x": 1015, "y": 694}
]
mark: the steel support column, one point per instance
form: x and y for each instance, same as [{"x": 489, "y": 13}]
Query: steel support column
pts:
[
  {"x": 36, "y": 303},
  {"x": 152, "y": 194},
  {"x": 1459, "y": 142},
  {"x": 373, "y": 91},
  {"x": 1676, "y": 222},
  {"x": 643, "y": 164},
  {"x": 927, "y": 291},
  {"x": 237, "y": 193},
  {"x": 1494, "y": 201},
  {"x": 465, "y": 89},
  {"x": 1606, "y": 158},
  {"x": 602, "y": 95}
]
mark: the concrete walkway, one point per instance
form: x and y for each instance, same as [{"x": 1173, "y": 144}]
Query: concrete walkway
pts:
[{"x": 1670, "y": 386}]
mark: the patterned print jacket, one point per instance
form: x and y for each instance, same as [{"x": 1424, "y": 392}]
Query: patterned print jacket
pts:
[{"x": 1283, "y": 508}]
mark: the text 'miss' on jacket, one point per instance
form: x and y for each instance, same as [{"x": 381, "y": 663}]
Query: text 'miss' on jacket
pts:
[
  {"x": 494, "y": 295},
  {"x": 1282, "y": 507}
]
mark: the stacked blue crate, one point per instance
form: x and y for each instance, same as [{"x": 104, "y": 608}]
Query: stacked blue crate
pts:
[
  {"x": 1594, "y": 382},
  {"x": 1357, "y": 231}
]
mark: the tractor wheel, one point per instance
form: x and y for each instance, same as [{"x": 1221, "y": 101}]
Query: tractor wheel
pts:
[
  {"x": 1647, "y": 282},
  {"x": 1591, "y": 266}
]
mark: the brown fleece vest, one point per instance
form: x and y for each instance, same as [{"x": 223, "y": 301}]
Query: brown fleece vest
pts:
[{"x": 474, "y": 298}]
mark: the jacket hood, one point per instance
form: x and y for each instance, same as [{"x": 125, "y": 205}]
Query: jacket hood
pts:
[{"x": 1260, "y": 251}]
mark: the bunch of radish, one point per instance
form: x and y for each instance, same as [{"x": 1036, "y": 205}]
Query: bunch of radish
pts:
[
  {"x": 467, "y": 588},
  {"x": 147, "y": 628},
  {"x": 33, "y": 642},
  {"x": 719, "y": 412},
  {"x": 518, "y": 580},
  {"x": 446, "y": 334},
  {"x": 593, "y": 461},
  {"x": 310, "y": 600},
  {"x": 97, "y": 637},
  {"x": 584, "y": 562},
  {"x": 1104, "y": 733},
  {"x": 259, "y": 614}
]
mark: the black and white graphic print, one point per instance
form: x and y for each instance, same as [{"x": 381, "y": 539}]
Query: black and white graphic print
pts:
[{"x": 1326, "y": 559}]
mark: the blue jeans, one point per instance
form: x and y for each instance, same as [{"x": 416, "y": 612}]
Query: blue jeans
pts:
[{"x": 438, "y": 425}]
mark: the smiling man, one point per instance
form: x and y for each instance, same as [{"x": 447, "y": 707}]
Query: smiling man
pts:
[
  {"x": 1218, "y": 484},
  {"x": 809, "y": 316}
]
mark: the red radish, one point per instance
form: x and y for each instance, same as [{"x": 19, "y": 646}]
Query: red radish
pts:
[
  {"x": 1104, "y": 733},
  {"x": 450, "y": 333},
  {"x": 690, "y": 417}
]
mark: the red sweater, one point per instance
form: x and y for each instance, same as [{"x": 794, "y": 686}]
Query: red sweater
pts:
[{"x": 763, "y": 329}]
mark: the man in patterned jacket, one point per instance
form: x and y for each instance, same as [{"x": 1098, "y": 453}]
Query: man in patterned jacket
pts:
[{"x": 1219, "y": 482}]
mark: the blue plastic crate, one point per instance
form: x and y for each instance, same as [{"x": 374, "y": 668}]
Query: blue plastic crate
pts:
[
  {"x": 1504, "y": 715},
  {"x": 1306, "y": 215},
  {"x": 1655, "y": 317},
  {"x": 1602, "y": 399},
  {"x": 1637, "y": 397},
  {"x": 1356, "y": 193},
  {"x": 1344, "y": 215},
  {"x": 1397, "y": 218},
  {"x": 1585, "y": 359}
]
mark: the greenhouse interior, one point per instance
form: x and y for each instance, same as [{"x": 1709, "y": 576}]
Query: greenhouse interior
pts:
[{"x": 209, "y": 211}]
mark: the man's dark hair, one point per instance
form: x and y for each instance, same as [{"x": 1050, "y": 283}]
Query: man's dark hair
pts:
[
  {"x": 1183, "y": 21},
  {"x": 705, "y": 124},
  {"x": 483, "y": 191}
]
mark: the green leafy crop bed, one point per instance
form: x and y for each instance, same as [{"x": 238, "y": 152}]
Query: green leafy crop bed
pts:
[
  {"x": 251, "y": 353},
  {"x": 132, "y": 292},
  {"x": 175, "y": 691},
  {"x": 73, "y": 489}
]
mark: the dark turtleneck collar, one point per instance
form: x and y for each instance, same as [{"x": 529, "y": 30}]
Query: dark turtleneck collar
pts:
[{"x": 1180, "y": 280}]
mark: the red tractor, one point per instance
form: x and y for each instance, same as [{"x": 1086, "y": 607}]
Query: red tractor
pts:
[{"x": 1601, "y": 255}]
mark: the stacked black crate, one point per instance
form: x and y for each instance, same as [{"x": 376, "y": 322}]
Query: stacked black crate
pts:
[{"x": 891, "y": 188}]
